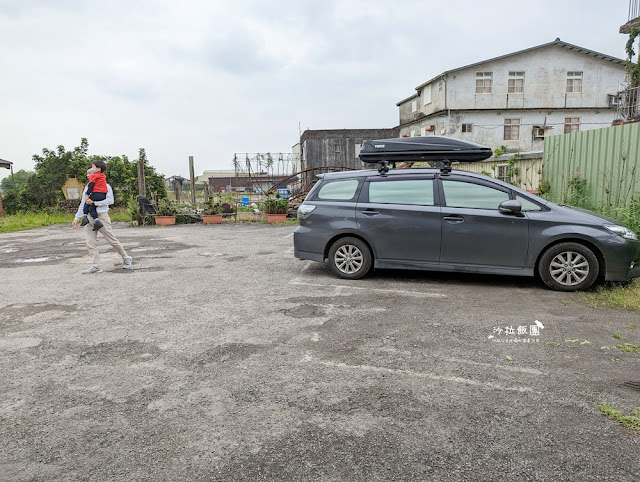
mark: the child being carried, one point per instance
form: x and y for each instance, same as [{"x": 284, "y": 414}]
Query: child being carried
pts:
[{"x": 96, "y": 191}]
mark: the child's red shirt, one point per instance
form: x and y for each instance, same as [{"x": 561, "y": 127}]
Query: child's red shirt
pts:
[{"x": 99, "y": 181}]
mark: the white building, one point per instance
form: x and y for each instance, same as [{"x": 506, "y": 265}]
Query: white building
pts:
[{"x": 517, "y": 99}]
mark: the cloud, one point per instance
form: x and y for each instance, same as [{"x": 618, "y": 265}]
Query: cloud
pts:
[{"x": 213, "y": 78}]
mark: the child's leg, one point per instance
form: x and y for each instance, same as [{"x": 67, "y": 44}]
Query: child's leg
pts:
[{"x": 94, "y": 196}]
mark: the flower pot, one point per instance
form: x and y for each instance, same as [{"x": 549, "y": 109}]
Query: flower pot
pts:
[
  {"x": 165, "y": 220},
  {"x": 276, "y": 218},
  {"x": 212, "y": 218}
]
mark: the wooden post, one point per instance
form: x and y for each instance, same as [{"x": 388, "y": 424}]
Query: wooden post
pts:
[
  {"x": 142, "y": 191},
  {"x": 193, "y": 182}
]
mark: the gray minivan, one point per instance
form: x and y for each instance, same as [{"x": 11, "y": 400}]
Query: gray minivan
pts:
[{"x": 443, "y": 220}]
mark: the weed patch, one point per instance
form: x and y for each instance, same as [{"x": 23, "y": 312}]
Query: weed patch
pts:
[
  {"x": 625, "y": 297},
  {"x": 628, "y": 347},
  {"x": 629, "y": 421}
]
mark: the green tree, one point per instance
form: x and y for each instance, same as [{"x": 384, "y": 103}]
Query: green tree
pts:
[
  {"x": 20, "y": 178},
  {"x": 52, "y": 168},
  {"x": 44, "y": 188},
  {"x": 154, "y": 182}
]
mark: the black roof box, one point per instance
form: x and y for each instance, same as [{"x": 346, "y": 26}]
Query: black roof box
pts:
[{"x": 424, "y": 148}]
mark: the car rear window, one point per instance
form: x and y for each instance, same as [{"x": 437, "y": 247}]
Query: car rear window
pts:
[
  {"x": 338, "y": 190},
  {"x": 413, "y": 191}
]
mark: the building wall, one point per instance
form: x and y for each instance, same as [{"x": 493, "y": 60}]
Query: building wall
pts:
[
  {"x": 545, "y": 82},
  {"x": 530, "y": 170},
  {"x": 339, "y": 148},
  {"x": 487, "y": 127},
  {"x": 451, "y": 100}
]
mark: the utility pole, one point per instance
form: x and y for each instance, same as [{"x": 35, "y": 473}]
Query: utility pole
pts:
[
  {"x": 193, "y": 182},
  {"x": 142, "y": 191}
]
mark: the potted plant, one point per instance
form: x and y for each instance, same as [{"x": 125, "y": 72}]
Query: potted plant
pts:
[
  {"x": 213, "y": 212},
  {"x": 166, "y": 213},
  {"x": 276, "y": 208}
]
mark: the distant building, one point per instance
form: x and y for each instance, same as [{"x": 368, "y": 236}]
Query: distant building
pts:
[
  {"x": 229, "y": 180},
  {"x": 337, "y": 147},
  {"x": 518, "y": 99}
]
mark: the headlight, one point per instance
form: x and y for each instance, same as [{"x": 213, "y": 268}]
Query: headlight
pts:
[
  {"x": 621, "y": 231},
  {"x": 305, "y": 210}
]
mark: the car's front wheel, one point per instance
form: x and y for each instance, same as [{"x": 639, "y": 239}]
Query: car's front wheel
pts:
[
  {"x": 568, "y": 267},
  {"x": 350, "y": 258}
]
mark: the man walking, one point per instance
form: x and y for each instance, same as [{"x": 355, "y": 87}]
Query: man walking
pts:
[{"x": 107, "y": 231}]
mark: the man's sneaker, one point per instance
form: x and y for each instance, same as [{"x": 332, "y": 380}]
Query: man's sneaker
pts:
[
  {"x": 97, "y": 225},
  {"x": 92, "y": 270},
  {"x": 126, "y": 262},
  {"x": 85, "y": 221}
]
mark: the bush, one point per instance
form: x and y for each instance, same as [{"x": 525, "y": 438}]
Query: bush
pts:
[
  {"x": 275, "y": 205},
  {"x": 629, "y": 215}
]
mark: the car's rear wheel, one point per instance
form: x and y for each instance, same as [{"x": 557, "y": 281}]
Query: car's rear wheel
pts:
[
  {"x": 568, "y": 267},
  {"x": 350, "y": 258}
]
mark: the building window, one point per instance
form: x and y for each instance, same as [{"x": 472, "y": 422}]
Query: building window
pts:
[
  {"x": 511, "y": 129},
  {"x": 336, "y": 148},
  {"x": 426, "y": 94},
  {"x": 484, "y": 82},
  {"x": 571, "y": 124},
  {"x": 502, "y": 172},
  {"x": 440, "y": 86},
  {"x": 516, "y": 83},
  {"x": 414, "y": 133},
  {"x": 414, "y": 106},
  {"x": 574, "y": 82},
  {"x": 467, "y": 128}
]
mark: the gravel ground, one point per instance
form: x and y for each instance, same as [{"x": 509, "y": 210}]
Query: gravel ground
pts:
[{"x": 219, "y": 356}]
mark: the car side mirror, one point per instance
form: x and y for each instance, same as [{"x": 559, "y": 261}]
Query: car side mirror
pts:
[{"x": 510, "y": 206}]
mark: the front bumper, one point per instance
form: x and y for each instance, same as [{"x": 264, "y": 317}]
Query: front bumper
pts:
[{"x": 622, "y": 259}]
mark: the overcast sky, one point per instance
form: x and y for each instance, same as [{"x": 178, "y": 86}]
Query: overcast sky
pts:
[{"x": 210, "y": 78}]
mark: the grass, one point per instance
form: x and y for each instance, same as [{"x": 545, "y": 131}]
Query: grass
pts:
[
  {"x": 625, "y": 297},
  {"x": 628, "y": 347},
  {"x": 629, "y": 421},
  {"x": 22, "y": 222}
]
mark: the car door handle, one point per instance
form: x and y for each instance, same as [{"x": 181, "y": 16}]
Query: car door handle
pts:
[
  {"x": 370, "y": 212},
  {"x": 454, "y": 219}
]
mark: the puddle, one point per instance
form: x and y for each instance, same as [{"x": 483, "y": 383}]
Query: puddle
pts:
[
  {"x": 305, "y": 311},
  {"x": 39, "y": 260},
  {"x": 74, "y": 243}
]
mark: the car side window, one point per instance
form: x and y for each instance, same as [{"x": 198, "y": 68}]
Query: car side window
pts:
[
  {"x": 460, "y": 194},
  {"x": 338, "y": 190},
  {"x": 528, "y": 205},
  {"x": 410, "y": 191}
]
